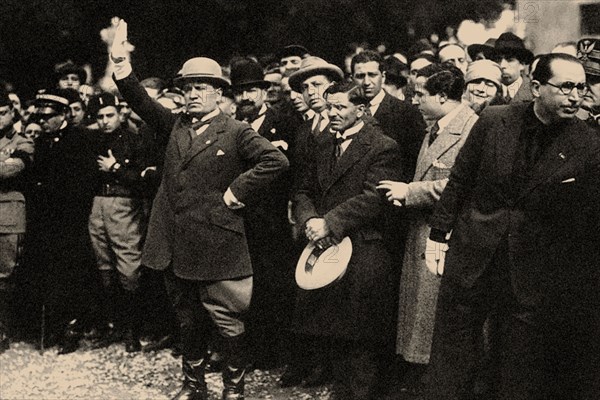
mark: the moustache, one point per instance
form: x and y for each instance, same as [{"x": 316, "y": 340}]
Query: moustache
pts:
[{"x": 246, "y": 103}]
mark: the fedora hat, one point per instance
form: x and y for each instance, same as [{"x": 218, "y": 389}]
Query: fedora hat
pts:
[
  {"x": 318, "y": 268},
  {"x": 588, "y": 52},
  {"x": 311, "y": 66},
  {"x": 487, "y": 49},
  {"x": 201, "y": 69},
  {"x": 510, "y": 44},
  {"x": 247, "y": 73}
]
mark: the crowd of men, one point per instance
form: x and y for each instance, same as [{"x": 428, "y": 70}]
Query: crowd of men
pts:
[{"x": 467, "y": 179}]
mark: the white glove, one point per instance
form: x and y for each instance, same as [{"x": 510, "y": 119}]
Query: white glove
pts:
[
  {"x": 120, "y": 47},
  {"x": 435, "y": 256}
]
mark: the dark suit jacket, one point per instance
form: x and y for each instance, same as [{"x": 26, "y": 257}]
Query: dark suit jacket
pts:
[
  {"x": 190, "y": 226},
  {"x": 361, "y": 304},
  {"x": 550, "y": 221},
  {"x": 524, "y": 93},
  {"x": 403, "y": 123}
]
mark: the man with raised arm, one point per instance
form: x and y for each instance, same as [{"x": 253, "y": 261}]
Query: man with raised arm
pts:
[{"x": 213, "y": 167}]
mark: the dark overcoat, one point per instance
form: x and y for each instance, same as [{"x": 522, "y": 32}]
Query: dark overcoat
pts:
[
  {"x": 361, "y": 305},
  {"x": 191, "y": 228},
  {"x": 552, "y": 220}
]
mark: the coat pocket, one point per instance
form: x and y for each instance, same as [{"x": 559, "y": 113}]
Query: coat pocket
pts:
[{"x": 225, "y": 218}]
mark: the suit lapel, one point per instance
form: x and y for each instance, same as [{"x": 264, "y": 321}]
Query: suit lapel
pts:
[
  {"x": 183, "y": 134},
  {"x": 355, "y": 151},
  {"x": 267, "y": 125},
  {"x": 524, "y": 92},
  {"x": 208, "y": 138},
  {"x": 384, "y": 106},
  {"x": 447, "y": 138}
]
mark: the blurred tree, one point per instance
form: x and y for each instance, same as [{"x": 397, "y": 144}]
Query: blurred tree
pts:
[{"x": 36, "y": 34}]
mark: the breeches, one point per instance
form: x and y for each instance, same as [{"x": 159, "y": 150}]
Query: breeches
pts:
[
  {"x": 200, "y": 305},
  {"x": 116, "y": 227}
]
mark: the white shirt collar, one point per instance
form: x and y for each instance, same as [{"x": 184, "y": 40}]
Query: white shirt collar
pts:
[
  {"x": 309, "y": 114},
  {"x": 376, "y": 101},
  {"x": 210, "y": 115},
  {"x": 257, "y": 123},
  {"x": 350, "y": 131},
  {"x": 513, "y": 88}
]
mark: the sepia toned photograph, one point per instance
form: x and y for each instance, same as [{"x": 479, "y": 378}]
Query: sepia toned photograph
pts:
[{"x": 300, "y": 200}]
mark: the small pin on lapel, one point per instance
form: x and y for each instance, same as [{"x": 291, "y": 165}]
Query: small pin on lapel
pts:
[
  {"x": 562, "y": 156},
  {"x": 208, "y": 142}
]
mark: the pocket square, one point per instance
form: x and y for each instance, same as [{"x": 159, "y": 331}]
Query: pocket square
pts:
[
  {"x": 439, "y": 164},
  {"x": 568, "y": 180},
  {"x": 220, "y": 152}
]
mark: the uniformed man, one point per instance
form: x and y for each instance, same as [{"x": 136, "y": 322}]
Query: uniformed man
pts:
[
  {"x": 117, "y": 221},
  {"x": 16, "y": 153},
  {"x": 59, "y": 258},
  {"x": 589, "y": 54}
]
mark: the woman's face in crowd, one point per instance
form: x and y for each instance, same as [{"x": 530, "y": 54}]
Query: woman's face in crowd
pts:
[{"x": 481, "y": 91}]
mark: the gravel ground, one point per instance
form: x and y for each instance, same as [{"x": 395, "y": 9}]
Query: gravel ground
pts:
[{"x": 113, "y": 374}]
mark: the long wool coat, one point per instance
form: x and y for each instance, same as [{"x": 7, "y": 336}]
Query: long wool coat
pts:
[{"x": 418, "y": 286}]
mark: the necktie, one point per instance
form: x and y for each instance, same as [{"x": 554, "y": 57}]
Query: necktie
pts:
[
  {"x": 339, "y": 140},
  {"x": 317, "y": 128},
  {"x": 199, "y": 124},
  {"x": 433, "y": 133}
]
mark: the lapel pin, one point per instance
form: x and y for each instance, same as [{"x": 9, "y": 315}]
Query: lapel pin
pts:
[
  {"x": 562, "y": 156},
  {"x": 208, "y": 142}
]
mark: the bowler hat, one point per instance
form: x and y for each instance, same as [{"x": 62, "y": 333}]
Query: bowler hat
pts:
[
  {"x": 311, "y": 66},
  {"x": 487, "y": 49},
  {"x": 588, "y": 52},
  {"x": 510, "y": 44},
  {"x": 201, "y": 69},
  {"x": 293, "y": 50},
  {"x": 69, "y": 67},
  {"x": 247, "y": 73}
]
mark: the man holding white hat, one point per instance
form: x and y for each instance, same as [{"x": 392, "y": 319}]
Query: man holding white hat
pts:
[{"x": 196, "y": 231}]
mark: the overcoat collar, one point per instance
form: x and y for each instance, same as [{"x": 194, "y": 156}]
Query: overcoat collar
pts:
[{"x": 447, "y": 138}]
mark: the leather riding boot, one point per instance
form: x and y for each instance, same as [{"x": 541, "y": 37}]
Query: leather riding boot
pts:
[
  {"x": 194, "y": 385},
  {"x": 132, "y": 321},
  {"x": 6, "y": 294},
  {"x": 70, "y": 339},
  {"x": 234, "y": 371}
]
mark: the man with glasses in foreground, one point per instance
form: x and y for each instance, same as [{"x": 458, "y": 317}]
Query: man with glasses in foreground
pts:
[
  {"x": 522, "y": 212},
  {"x": 214, "y": 166}
]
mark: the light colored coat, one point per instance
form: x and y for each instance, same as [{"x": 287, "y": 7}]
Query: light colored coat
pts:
[{"x": 418, "y": 287}]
